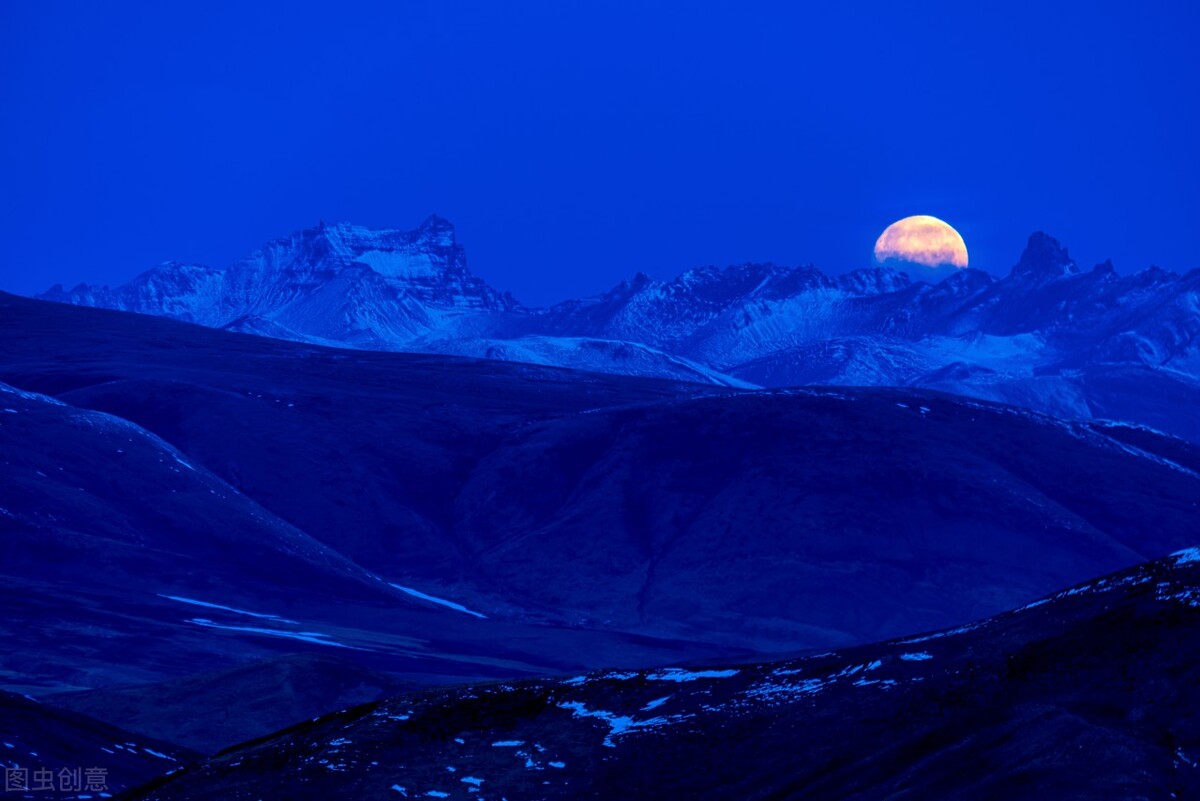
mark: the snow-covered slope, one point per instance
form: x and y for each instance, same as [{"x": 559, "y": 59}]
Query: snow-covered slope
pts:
[{"x": 1048, "y": 335}]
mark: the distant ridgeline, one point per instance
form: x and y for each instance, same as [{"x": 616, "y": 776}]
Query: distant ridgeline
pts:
[{"x": 1048, "y": 336}]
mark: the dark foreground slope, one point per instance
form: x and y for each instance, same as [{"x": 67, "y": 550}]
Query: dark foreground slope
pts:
[
  {"x": 97, "y": 757},
  {"x": 1090, "y": 693},
  {"x": 771, "y": 520},
  {"x": 212, "y": 711}
]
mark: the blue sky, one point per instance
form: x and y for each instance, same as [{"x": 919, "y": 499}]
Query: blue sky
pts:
[{"x": 574, "y": 144}]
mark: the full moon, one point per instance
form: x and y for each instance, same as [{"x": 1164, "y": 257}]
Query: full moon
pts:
[{"x": 922, "y": 240}]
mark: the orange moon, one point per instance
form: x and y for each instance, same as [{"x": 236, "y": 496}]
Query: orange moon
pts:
[{"x": 923, "y": 240}]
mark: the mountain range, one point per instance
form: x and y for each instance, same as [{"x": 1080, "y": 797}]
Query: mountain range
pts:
[
  {"x": 1080, "y": 344},
  {"x": 355, "y": 525},
  {"x": 183, "y": 490}
]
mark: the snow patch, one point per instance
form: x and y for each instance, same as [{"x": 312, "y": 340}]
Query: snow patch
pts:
[
  {"x": 617, "y": 724},
  {"x": 865, "y": 682},
  {"x": 678, "y": 674},
  {"x": 439, "y": 601},
  {"x": 775, "y": 690},
  {"x": 303, "y": 636},
  {"x": 207, "y": 605},
  {"x": 615, "y": 675},
  {"x": 940, "y": 634},
  {"x": 1186, "y": 556}
]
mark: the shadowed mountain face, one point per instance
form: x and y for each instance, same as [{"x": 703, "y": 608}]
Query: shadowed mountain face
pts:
[
  {"x": 817, "y": 517},
  {"x": 567, "y": 514},
  {"x": 125, "y": 560},
  {"x": 1048, "y": 336},
  {"x": 1089, "y": 693}
]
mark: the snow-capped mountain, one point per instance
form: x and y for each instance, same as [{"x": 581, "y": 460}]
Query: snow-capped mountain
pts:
[
  {"x": 341, "y": 284},
  {"x": 1049, "y": 335},
  {"x": 1045, "y": 313}
]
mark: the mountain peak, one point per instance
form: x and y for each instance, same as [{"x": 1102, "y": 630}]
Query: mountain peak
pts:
[
  {"x": 438, "y": 229},
  {"x": 874, "y": 280},
  {"x": 1044, "y": 257},
  {"x": 639, "y": 282}
]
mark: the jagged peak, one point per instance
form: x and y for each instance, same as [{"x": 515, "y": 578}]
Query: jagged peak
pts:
[
  {"x": 971, "y": 276},
  {"x": 746, "y": 273},
  {"x": 1044, "y": 257},
  {"x": 875, "y": 280},
  {"x": 1153, "y": 275},
  {"x": 637, "y": 283},
  {"x": 433, "y": 229},
  {"x": 962, "y": 282},
  {"x": 173, "y": 266},
  {"x": 438, "y": 230},
  {"x": 435, "y": 222}
]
